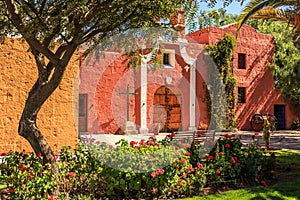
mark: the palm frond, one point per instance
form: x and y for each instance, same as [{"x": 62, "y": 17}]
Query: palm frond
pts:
[{"x": 255, "y": 6}]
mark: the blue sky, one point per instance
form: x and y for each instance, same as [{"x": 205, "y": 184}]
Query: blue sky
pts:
[{"x": 233, "y": 8}]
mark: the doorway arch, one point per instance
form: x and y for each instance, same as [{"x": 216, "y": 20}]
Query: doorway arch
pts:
[{"x": 167, "y": 109}]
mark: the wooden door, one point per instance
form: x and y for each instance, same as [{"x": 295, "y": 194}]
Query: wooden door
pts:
[
  {"x": 279, "y": 112},
  {"x": 82, "y": 118},
  {"x": 167, "y": 109}
]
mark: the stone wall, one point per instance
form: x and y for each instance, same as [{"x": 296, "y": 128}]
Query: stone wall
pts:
[{"x": 58, "y": 117}]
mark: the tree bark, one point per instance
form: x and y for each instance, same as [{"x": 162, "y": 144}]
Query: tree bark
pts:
[{"x": 39, "y": 93}]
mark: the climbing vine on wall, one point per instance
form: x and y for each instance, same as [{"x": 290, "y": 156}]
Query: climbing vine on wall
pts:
[{"x": 222, "y": 55}]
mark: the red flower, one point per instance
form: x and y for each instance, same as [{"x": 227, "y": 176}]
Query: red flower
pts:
[
  {"x": 3, "y": 154},
  {"x": 226, "y": 135},
  {"x": 272, "y": 171},
  {"x": 31, "y": 176},
  {"x": 227, "y": 145},
  {"x": 136, "y": 147},
  {"x": 199, "y": 165},
  {"x": 132, "y": 143},
  {"x": 256, "y": 133},
  {"x": 81, "y": 177},
  {"x": 54, "y": 158},
  {"x": 20, "y": 164},
  {"x": 50, "y": 198},
  {"x": 210, "y": 157},
  {"x": 221, "y": 153},
  {"x": 11, "y": 190},
  {"x": 150, "y": 142},
  {"x": 23, "y": 169},
  {"x": 200, "y": 135},
  {"x": 258, "y": 176},
  {"x": 67, "y": 182},
  {"x": 263, "y": 183},
  {"x": 179, "y": 183},
  {"x": 218, "y": 171},
  {"x": 39, "y": 155},
  {"x": 71, "y": 174},
  {"x": 232, "y": 160}
]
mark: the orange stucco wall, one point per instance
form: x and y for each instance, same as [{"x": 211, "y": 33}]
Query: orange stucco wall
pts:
[
  {"x": 257, "y": 78},
  {"x": 58, "y": 117}
]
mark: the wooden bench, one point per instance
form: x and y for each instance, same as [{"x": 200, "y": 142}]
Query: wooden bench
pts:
[{"x": 191, "y": 136}]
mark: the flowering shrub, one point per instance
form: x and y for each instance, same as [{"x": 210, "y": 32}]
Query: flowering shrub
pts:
[
  {"x": 161, "y": 169},
  {"x": 231, "y": 162}
]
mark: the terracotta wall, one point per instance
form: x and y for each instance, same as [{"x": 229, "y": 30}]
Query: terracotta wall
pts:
[
  {"x": 58, "y": 117},
  {"x": 257, "y": 78}
]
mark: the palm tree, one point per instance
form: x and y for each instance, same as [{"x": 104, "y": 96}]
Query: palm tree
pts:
[{"x": 277, "y": 10}]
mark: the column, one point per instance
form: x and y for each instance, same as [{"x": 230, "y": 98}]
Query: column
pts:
[
  {"x": 143, "y": 95},
  {"x": 192, "y": 62}
]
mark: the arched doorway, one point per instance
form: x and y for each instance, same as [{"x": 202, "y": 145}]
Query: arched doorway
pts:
[{"x": 167, "y": 109}]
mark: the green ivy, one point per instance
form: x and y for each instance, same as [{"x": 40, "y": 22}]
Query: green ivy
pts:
[{"x": 222, "y": 54}]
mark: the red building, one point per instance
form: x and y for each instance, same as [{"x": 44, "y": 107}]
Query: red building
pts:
[{"x": 173, "y": 97}]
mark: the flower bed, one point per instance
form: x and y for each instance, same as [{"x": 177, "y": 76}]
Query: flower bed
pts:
[{"x": 152, "y": 168}]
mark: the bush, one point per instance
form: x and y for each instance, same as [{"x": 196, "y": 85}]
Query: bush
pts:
[
  {"x": 295, "y": 125},
  {"x": 161, "y": 169}
]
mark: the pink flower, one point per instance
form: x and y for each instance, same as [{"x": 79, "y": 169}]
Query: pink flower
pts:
[
  {"x": 191, "y": 168},
  {"x": 71, "y": 174},
  {"x": 272, "y": 171},
  {"x": 150, "y": 142},
  {"x": 199, "y": 165},
  {"x": 153, "y": 174},
  {"x": 218, "y": 171},
  {"x": 154, "y": 190},
  {"x": 67, "y": 182},
  {"x": 11, "y": 190},
  {"x": 159, "y": 171},
  {"x": 227, "y": 145},
  {"x": 187, "y": 153},
  {"x": 80, "y": 177},
  {"x": 183, "y": 161},
  {"x": 110, "y": 146},
  {"x": 259, "y": 168}
]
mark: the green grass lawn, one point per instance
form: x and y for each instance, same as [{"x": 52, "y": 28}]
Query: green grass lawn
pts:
[{"x": 287, "y": 188}]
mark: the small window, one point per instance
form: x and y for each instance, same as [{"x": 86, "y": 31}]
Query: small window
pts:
[
  {"x": 82, "y": 105},
  {"x": 241, "y": 95},
  {"x": 166, "y": 59},
  {"x": 241, "y": 61}
]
